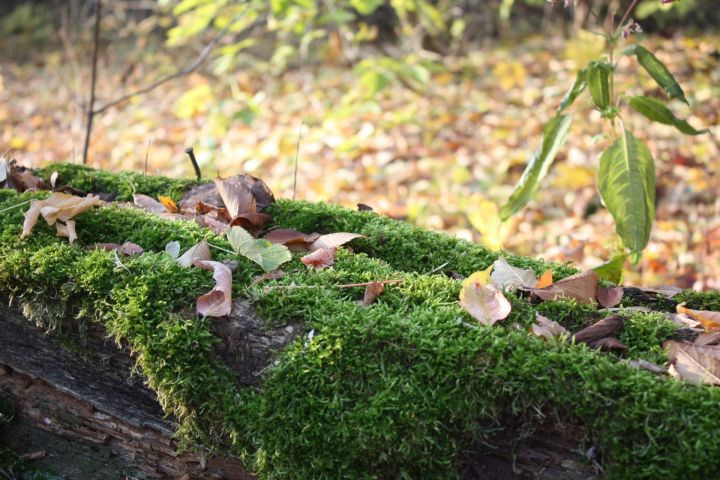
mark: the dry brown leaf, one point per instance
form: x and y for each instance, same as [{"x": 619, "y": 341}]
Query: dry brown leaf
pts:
[
  {"x": 696, "y": 364},
  {"x": 18, "y": 177},
  {"x": 582, "y": 287},
  {"x": 708, "y": 319},
  {"x": 57, "y": 207},
  {"x": 148, "y": 204},
  {"x": 252, "y": 222},
  {"x": 608, "y": 297},
  {"x": 609, "y": 344},
  {"x": 372, "y": 292},
  {"x": 198, "y": 252},
  {"x": 508, "y": 278},
  {"x": 213, "y": 224},
  {"x": 289, "y": 237},
  {"x": 169, "y": 204},
  {"x": 607, "y": 327},
  {"x": 244, "y": 194},
  {"x": 205, "y": 193},
  {"x": 218, "y": 301},
  {"x": 67, "y": 230},
  {"x": 707, "y": 338},
  {"x": 641, "y": 364},
  {"x": 320, "y": 258},
  {"x": 334, "y": 240},
  {"x": 545, "y": 280},
  {"x": 485, "y": 303},
  {"x": 127, "y": 248},
  {"x": 546, "y": 328}
]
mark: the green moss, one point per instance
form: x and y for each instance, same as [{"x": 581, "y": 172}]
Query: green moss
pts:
[
  {"x": 644, "y": 334},
  {"x": 700, "y": 300},
  {"x": 124, "y": 184},
  {"x": 394, "y": 390}
]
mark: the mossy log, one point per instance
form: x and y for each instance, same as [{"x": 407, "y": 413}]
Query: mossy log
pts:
[{"x": 410, "y": 387}]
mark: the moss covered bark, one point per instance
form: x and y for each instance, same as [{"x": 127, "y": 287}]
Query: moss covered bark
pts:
[{"x": 395, "y": 390}]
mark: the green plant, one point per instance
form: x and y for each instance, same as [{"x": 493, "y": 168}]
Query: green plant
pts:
[{"x": 626, "y": 176}]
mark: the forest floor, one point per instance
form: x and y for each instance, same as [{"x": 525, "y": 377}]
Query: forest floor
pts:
[{"x": 443, "y": 157}]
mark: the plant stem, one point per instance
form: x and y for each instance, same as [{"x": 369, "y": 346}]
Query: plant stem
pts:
[
  {"x": 627, "y": 13},
  {"x": 93, "y": 81}
]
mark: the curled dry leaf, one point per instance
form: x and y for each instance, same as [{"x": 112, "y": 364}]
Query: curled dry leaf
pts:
[
  {"x": 509, "y": 278},
  {"x": 707, "y": 338},
  {"x": 57, "y": 207},
  {"x": 18, "y": 177},
  {"x": 205, "y": 193},
  {"x": 546, "y": 328},
  {"x": 334, "y": 240},
  {"x": 484, "y": 302},
  {"x": 291, "y": 238},
  {"x": 169, "y": 204},
  {"x": 582, "y": 287},
  {"x": 696, "y": 364},
  {"x": 641, "y": 364},
  {"x": 708, "y": 319},
  {"x": 372, "y": 292},
  {"x": 67, "y": 230},
  {"x": 197, "y": 253},
  {"x": 218, "y": 301},
  {"x": 320, "y": 258},
  {"x": 608, "y": 297},
  {"x": 127, "y": 248},
  {"x": 607, "y": 327},
  {"x": 148, "y": 204},
  {"x": 609, "y": 344},
  {"x": 244, "y": 194}
]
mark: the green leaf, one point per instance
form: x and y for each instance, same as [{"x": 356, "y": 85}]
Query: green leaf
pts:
[
  {"x": 657, "y": 111},
  {"x": 269, "y": 256},
  {"x": 598, "y": 80},
  {"x": 626, "y": 181},
  {"x": 658, "y": 71},
  {"x": 554, "y": 135},
  {"x": 575, "y": 91},
  {"x": 612, "y": 270}
]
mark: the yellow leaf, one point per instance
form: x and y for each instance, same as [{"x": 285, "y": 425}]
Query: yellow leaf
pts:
[
  {"x": 169, "y": 204},
  {"x": 481, "y": 278},
  {"x": 709, "y": 320},
  {"x": 545, "y": 280}
]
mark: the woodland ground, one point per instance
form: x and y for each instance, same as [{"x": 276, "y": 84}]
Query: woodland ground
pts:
[{"x": 441, "y": 157}]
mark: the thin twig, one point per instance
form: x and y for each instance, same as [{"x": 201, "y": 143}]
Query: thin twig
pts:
[
  {"x": 180, "y": 73},
  {"x": 297, "y": 156},
  {"x": 93, "y": 80},
  {"x": 15, "y": 206},
  {"x": 627, "y": 13},
  {"x": 147, "y": 152},
  {"x": 193, "y": 160}
]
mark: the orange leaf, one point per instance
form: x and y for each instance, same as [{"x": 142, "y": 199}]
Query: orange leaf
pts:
[
  {"x": 169, "y": 204},
  {"x": 545, "y": 280},
  {"x": 709, "y": 320}
]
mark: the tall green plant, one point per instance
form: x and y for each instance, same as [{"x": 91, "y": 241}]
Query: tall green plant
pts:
[{"x": 626, "y": 177}]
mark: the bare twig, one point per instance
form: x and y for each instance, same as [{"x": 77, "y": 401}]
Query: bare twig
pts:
[
  {"x": 180, "y": 73},
  {"x": 15, "y": 206},
  {"x": 191, "y": 154},
  {"x": 297, "y": 157},
  {"x": 93, "y": 80},
  {"x": 344, "y": 285},
  {"x": 147, "y": 152}
]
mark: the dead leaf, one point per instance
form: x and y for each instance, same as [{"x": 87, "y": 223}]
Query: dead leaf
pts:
[
  {"x": 696, "y": 364},
  {"x": 707, "y": 338},
  {"x": 18, "y": 177},
  {"x": 546, "y": 328},
  {"x": 509, "y": 278},
  {"x": 244, "y": 194},
  {"x": 53, "y": 179},
  {"x": 545, "y": 280},
  {"x": 198, "y": 252},
  {"x": 127, "y": 248},
  {"x": 205, "y": 193},
  {"x": 609, "y": 344},
  {"x": 252, "y": 222},
  {"x": 169, "y": 204},
  {"x": 363, "y": 207},
  {"x": 213, "y": 224},
  {"x": 667, "y": 291},
  {"x": 148, "y": 204},
  {"x": 67, "y": 230},
  {"x": 708, "y": 319},
  {"x": 372, "y": 291},
  {"x": 57, "y": 207},
  {"x": 291, "y": 238},
  {"x": 320, "y": 258},
  {"x": 608, "y": 297},
  {"x": 641, "y": 364},
  {"x": 218, "y": 301},
  {"x": 334, "y": 240},
  {"x": 582, "y": 287},
  {"x": 607, "y": 327},
  {"x": 485, "y": 303}
]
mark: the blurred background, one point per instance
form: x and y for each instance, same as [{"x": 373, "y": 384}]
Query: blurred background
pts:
[{"x": 427, "y": 110}]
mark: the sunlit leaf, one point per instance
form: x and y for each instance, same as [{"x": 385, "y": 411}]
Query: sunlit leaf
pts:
[
  {"x": 554, "y": 135},
  {"x": 269, "y": 256},
  {"x": 657, "y": 111},
  {"x": 626, "y": 181},
  {"x": 485, "y": 303},
  {"x": 658, "y": 71},
  {"x": 598, "y": 82}
]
